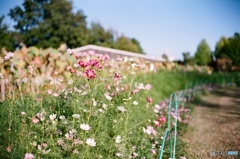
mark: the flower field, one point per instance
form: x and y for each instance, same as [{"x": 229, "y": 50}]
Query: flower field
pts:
[{"x": 67, "y": 104}]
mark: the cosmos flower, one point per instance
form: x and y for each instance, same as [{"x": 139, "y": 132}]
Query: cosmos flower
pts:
[
  {"x": 90, "y": 73},
  {"x": 85, "y": 127},
  {"x": 28, "y": 156},
  {"x": 91, "y": 142},
  {"x": 135, "y": 103},
  {"x": 118, "y": 139},
  {"x": 121, "y": 108}
]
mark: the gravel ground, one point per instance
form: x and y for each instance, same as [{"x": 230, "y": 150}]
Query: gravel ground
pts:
[{"x": 215, "y": 126}]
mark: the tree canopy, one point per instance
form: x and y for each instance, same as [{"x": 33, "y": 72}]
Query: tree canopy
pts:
[
  {"x": 49, "y": 23},
  {"x": 203, "y": 55},
  {"x": 229, "y": 48},
  {"x": 5, "y": 36}
]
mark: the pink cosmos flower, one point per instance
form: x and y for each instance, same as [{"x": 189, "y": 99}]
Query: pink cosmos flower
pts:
[
  {"x": 99, "y": 66},
  {"x": 82, "y": 64},
  {"x": 118, "y": 89},
  {"x": 23, "y": 113},
  {"x": 99, "y": 56},
  {"x": 49, "y": 91},
  {"x": 90, "y": 73},
  {"x": 105, "y": 57},
  {"x": 91, "y": 52},
  {"x": 28, "y": 156},
  {"x": 126, "y": 87},
  {"x": 179, "y": 119},
  {"x": 162, "y": 119},
  {"x": 108, "y": 87},
  {"x": 173, "y": 115},
  {"x": 8, "y": 56},
  {"x": 35, "y": 120},
  {"x": 163, "y": 104},
  {"x": 157, "y": 123},
  {"x": 30, "y": 69},
  {"x": 149, "y": 100},
  {"x": 113, "y": 93},
  {"x": 135, "y": 91},
  {"x": 92, "y": 62},
  {"x": 117, "y": 75},
  {"x": 70, "y": 51},
  {"x": 9, "y": 149},
  {"x": 38, "y": 99},
  {"x": 153, "y": 151},
  {"x": 71, "y": 70},
  {"x": 41, "y": 116},
  {"x": 150, "y": 130},
  {"x": 148, "y": 86},
  {"x": 78, "y": 55}
]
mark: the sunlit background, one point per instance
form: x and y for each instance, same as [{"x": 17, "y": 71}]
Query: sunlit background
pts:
[{"x": 161, "y": 26}]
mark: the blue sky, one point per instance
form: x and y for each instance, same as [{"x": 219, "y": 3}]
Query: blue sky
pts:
[{"x": 161, "y": 26}]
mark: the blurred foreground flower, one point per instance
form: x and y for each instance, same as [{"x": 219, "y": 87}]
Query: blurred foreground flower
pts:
[
  {"x": 28, "y": 156},
  {"x": 8, "y": 56},
  {"x": 85, "y": 127},
  {"x": 91, "y": 142},
  {"x": 150, "y": 130},
  {"x": 149, "y": 100},
  {"x": 118, "y": 139}
]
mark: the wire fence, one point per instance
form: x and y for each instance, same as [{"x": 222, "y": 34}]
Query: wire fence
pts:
[{"x": 191, "y": 90}]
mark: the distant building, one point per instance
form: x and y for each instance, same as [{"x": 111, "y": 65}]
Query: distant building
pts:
[{"x": 114, "y": 53}]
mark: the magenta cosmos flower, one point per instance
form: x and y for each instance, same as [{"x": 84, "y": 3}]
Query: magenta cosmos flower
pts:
[
  {"x": 82, "y": 64},
  {"x": 90, "y": 73},
  {"x": 92, "y": 62},
  {"x": 149, "y": 100}
]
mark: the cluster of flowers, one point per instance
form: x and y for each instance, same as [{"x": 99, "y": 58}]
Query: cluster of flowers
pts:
[
  {"x": 88, "y": 66},
  {"x": 115, "y": 84}
]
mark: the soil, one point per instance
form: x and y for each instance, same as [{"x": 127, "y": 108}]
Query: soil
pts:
[{"x": 214, "y": 128}]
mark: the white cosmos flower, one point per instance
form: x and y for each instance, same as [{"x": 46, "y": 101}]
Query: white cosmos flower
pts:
[
  {"x": 121, "y": 108},
  {"x": 135, "y": 103},
  {"x": 85, "y": 127},
  {"x": 91, "y": 142},
  {"x": 70, "y": 81},
  {"x": 118, "y": 139},
  {"x": 94, "y": 103},
  {"x": 101, "y": 110},
  {"x": 118, "y": 154},
  {"x": 104, "y": 106},
  {"x": 76, "y": 65},
  {"x": 140, "y": 86},
  {"x": 108, "y": 97},
  {"x": 62, "y": 117},
  {"x": 77, "y": 116},
  {"x": 53, "y": 116},
  {"x": 151, "y": 67},
  {"x": 84, "y": 93}
]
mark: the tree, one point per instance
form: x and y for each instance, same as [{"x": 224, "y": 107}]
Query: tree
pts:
[
  {"x": 229, "y": 48},
  {"x": 203, "y": 55},
  {"x": 165, "y": 57},
  {"x": 187, "y": 58},
  {"x": 49, "y": 23},
  {"x": 45, "y": 23},
  {"x": 99, "y": 36},
  {"x": 124, "y": 43},
  {"x": 6, "y": 40}
]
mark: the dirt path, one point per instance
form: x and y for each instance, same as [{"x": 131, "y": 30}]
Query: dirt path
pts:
[{"x": 215, "y": 126}]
